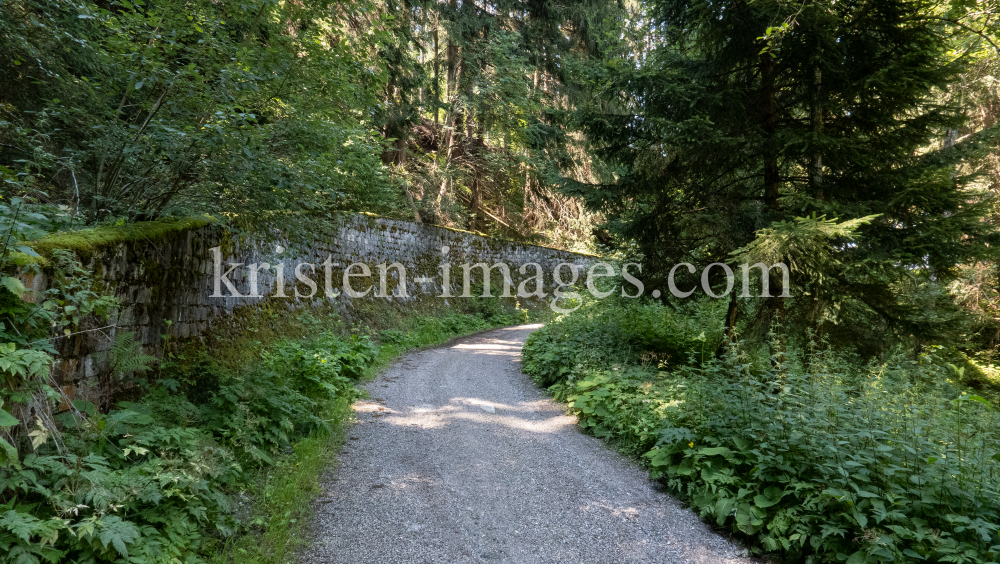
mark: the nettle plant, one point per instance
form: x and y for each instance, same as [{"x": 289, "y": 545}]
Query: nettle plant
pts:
[{"x": 826, "y": 462}]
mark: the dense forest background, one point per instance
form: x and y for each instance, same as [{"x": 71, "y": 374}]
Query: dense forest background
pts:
[
  {"x": 856, "y": 141},
  {"x": 451, "y": 113}
]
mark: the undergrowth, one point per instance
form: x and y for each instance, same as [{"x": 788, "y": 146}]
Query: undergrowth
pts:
[
  {"x": 810, "y": 455},
  {"x": 148, "y": 480}
]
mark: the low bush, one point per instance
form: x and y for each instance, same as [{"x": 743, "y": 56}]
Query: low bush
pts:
[
  {"x": 627, "y": 333},
  {"x": 811, "y": 455}
]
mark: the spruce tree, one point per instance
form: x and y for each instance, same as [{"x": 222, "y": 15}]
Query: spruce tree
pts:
[{"x": 742, "y": 116}]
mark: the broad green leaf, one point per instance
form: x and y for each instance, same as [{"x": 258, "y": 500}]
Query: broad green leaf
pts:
[
  {"x": 13, "y": 284},
  {"x": 723, "y": 509},
  {"x": 764, "y": 502},
  {"x": 715, "y": 451},
  {"x": 8, "y": 454},
  {"x": 981, "y": 400},
  {"x": 8, "y": 420},
  {"x": 858, "y": 557},
  {"x": 26, "y": 250}
]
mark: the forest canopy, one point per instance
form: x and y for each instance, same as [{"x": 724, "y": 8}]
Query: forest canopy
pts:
[{"x": 125, "y": 111}]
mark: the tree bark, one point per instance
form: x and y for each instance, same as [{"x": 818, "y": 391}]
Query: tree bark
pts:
[
  {"x": 401, "y": 161},
  {"x": 475, "y": 204},
  {"x": 452, "y": 54},
  {"x": 727, "y": 335},
  {"x": 453, "y": 74},
  {"x": 817, "y": 126},
  {"x": 437, "y": 75},
  {"x": 772, "y": 178}
]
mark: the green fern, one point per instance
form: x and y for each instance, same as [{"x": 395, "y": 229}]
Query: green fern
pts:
[{"x": 125, "y": 356}]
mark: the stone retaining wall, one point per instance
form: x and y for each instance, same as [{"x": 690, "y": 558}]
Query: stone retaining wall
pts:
[{"x": 173, "y": 278}]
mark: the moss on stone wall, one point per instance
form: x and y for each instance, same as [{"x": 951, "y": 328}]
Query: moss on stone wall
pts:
[{"x": 86, "y": 242}]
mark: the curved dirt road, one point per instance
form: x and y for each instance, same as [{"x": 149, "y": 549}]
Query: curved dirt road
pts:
[{"x": 458, "y": 457}]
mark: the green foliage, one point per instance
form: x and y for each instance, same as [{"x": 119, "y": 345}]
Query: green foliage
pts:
[
  {"x": 23, "y": 364},
  {"x": 803, "y": 244},
  {"x": 147, "y": 481},
  {"x": 428, "y": 330},
  {"x": 626, "y": 333},
  {"x": 72, "y": 296},
  {"x": 9, "y": 451},
  {"x": 25, "y": 219},
  {"x": 122, "y": 111},
  {"x": 125, "y": 356},
  {"x": 27, "y": 321},
  {"x": 738, "y": 121},
  {"x": 138, "y": 110},
  {"x": 473, "y": 108},
  {"x": 806, "y": 453}
]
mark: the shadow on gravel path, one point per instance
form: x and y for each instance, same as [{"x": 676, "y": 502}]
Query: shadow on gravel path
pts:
[{"x": 458, "y": 457}]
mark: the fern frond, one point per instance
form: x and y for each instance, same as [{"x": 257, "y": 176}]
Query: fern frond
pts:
[{"x": 125, "y": 355}]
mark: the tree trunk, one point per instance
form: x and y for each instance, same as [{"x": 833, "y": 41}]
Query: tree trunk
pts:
[
  {"x": 437, "y": 77},
  {"x": 452, "y": 54},
  {"x": 401, "y": 161},
  {"x": 453, "y": 74},
  {"x": 474, "y": 206},
  {"x": 727, "y": 335},
  {"x": 817, "y": 126},
  {"x": 772, "y": 178}
]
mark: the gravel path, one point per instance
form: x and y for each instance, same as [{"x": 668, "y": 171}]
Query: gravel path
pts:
[{"x": 458, "y": 457}]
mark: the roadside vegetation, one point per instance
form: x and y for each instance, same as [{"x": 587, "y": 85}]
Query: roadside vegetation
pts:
[
  {"x": 210, "y": 453},
  {"x": 850, "y": 413},
  {"x": 807, "y": 452}
]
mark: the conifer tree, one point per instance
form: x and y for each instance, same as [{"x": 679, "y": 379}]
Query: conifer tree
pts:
[{"x": 742, "y": 116}]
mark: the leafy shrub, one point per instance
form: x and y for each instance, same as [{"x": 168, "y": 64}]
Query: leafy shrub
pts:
[
  {"x": 426, "y": 330},
  {"x": 622, "y": 332},
  {"x": 394, "y": 337},
  {"x": 813, "y": 456}
]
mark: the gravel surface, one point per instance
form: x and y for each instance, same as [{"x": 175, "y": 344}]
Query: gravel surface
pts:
[{"x": 458, "y": 457}]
